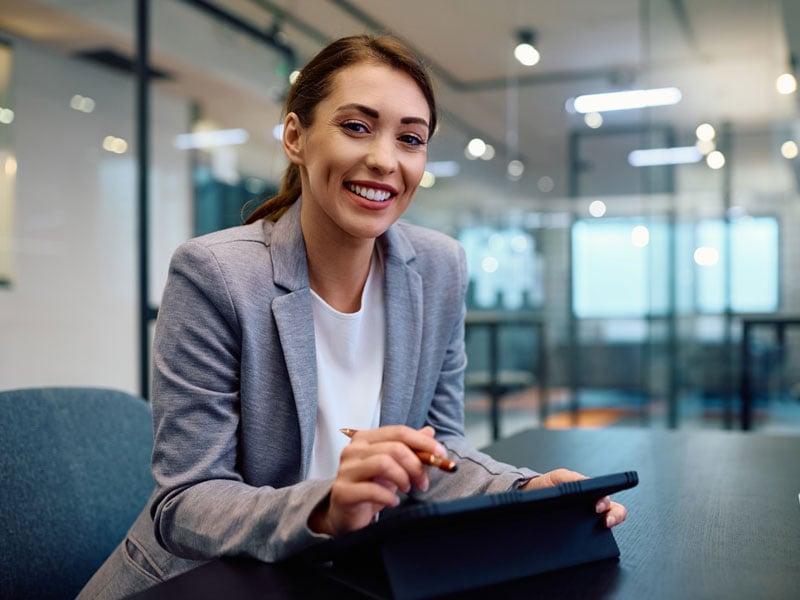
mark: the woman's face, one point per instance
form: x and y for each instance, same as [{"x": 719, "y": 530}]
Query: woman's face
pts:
[{"x": 363, "y": 156}]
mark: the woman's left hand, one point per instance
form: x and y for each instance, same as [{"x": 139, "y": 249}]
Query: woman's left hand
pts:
[{"x": 614, "y": 511}]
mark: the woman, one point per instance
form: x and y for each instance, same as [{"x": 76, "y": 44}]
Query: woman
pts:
[{"x": 321, "y": 312}]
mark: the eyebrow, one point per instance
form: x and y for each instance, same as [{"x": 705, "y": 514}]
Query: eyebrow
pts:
[{"x": 371, "y": 112}]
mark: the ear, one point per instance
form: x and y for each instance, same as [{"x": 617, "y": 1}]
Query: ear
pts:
[{"x": 293, "y": 138}]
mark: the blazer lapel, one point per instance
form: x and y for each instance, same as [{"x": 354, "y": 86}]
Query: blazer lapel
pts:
[
  {"x": 403, "y": 300},
  {"x": 292, "y": 313}
]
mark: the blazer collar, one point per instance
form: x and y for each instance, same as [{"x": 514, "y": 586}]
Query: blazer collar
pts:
[
  {"x": 403, "y": 300},
  {"x": 288, "y": 249},
  {"x": 292, "y": 312}
]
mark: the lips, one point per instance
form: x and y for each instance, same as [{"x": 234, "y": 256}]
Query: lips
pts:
[{"x": 370, "y": 193}]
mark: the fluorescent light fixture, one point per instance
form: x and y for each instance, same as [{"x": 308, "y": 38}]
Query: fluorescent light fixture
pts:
[
  {"x": 665, "y": 156},
  {"x": 211, "y": 139},
  {"x": 443, "y": 168},
  {"x": 626, "y": 100}
]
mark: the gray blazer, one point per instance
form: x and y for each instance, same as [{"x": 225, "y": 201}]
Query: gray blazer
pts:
[{"x": 235, "y": 390}]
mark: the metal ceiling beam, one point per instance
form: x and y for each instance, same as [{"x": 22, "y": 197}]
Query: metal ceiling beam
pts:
[{"x": 266, "y": 36}]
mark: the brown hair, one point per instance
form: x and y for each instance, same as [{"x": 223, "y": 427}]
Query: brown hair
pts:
[{"x": 314, "y": 84}]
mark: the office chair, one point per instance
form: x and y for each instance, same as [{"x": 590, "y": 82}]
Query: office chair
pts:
[{"x": 74, "y": 475}]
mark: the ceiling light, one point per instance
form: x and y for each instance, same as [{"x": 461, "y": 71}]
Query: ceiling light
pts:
[
  {"x": 625, "y": 100},
  {"x": 705, "y": 132},
  {"x": 786, "y": 84},
  {"x": 715, "y": 160},
  {"x": 10, "y": 166},
  {"x": 6, "y": 116},
  {"x": 640, "y": 236},
  {"x": 597, "y": 208},
  {"x": 706, "y": 146},
  {"x": 515, "y": 169},
  {"x": 665, "y": 156},
  {"x": 789, "y": 149},
  {"x": 114, "y": 144},
  {"x": 82, "y": 103},
  {"x": 593, "y": 120},
  {"x": 428, "y": 180},
  {"x": 475, "y": 148},
  {"x": 705, "y": 256},
  {"x": 545, "y": 184},
  {"x": 525, "y": 52}
]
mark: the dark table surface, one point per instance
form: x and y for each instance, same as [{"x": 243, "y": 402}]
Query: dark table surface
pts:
[{"x": 715, "y": 515}]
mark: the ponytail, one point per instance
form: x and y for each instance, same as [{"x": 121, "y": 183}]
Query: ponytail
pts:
[{"x": 272, "y": 208}]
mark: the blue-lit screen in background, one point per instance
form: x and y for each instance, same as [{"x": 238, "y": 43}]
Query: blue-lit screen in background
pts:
[
  {"x": 620, "y": 267},
  {"x": 504, "y": 268}
]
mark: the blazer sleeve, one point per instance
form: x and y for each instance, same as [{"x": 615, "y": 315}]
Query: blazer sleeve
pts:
[
  {"x": 477, "y": 473},
  {"x": 202, "y": 507}
]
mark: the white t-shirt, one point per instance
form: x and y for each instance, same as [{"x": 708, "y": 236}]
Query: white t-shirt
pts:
[{"x": 350, "y": 350}]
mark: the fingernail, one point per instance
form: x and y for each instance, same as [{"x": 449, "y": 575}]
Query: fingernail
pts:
[
  {"x": 610, "y": 521},
  {"x": 425, "y": 485}
]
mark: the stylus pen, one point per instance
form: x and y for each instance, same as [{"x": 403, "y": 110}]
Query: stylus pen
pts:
[{"x": 445, "y": 464}]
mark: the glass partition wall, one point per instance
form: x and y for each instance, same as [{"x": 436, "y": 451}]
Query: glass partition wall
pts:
[{"x": 615, "y": 263}]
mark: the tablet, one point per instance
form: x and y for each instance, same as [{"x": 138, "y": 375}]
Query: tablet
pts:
[{"x": 445, "y": 544}]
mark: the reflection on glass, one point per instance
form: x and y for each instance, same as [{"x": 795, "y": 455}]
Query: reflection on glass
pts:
[
  {"x": 503, "y": 266},
  {"x": 620, "y": 266}
]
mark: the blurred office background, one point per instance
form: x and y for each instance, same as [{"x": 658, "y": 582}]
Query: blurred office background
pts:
[{"x": 629, "y": 267}]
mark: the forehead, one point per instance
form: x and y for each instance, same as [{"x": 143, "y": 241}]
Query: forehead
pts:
[{"x": 378, "y": 86}]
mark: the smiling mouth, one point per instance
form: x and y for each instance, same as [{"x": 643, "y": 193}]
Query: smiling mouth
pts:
[{"x": 369, "y": 193}]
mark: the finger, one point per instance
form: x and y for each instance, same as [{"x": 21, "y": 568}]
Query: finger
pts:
[
  {"x": 393, "y": 463},
  {"x": 617, "y": 513},
  {"x": 398, "y": 452},
  {"x": 565, "y": 475},
  {"x": 603, "y": 504},
  {"x": 354, "y": 505},
  {"x": 350, "y": 495},
  {"x": 428, "y": 430},
  {"x": 389, "y": 485}
]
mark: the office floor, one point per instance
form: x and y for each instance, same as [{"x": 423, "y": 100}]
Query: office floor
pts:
[{"x": 603, "y": 408}]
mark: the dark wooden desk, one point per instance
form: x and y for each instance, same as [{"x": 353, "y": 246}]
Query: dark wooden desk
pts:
[{"x": 715, "y": 515}]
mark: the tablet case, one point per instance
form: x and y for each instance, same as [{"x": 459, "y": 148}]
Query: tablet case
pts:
[{"x": 423, "y": 550}]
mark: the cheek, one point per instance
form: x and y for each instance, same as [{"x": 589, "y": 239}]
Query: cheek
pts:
[{"x": 416, "y": 169}]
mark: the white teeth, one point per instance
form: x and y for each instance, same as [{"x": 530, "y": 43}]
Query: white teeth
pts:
[{"x": 369, "y": 193}]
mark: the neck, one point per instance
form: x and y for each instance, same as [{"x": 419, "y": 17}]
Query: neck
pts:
[{"x": 338, "y": 269}]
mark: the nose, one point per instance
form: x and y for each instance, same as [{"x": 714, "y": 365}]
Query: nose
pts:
[{"x": 382, "y": 156}]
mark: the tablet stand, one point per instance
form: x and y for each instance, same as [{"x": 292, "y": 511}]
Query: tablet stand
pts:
[{"x": 415, "y": 564}]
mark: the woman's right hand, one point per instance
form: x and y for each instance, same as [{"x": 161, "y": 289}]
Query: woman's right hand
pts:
[{"x": 373, "y": 468}]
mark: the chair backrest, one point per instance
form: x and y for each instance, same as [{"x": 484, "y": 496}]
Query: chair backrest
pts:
[{"x": 74, "y": 474}]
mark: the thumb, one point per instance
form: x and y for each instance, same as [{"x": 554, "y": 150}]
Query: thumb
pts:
[{"x": 428, "y": 430}]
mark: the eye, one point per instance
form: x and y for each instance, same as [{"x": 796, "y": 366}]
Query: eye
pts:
[
  {"x": 412, "y": 139},
  {"x": 354, "y": 126}
]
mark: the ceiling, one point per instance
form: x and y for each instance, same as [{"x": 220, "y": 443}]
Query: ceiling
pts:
[{"x": 724, "y": 55}]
